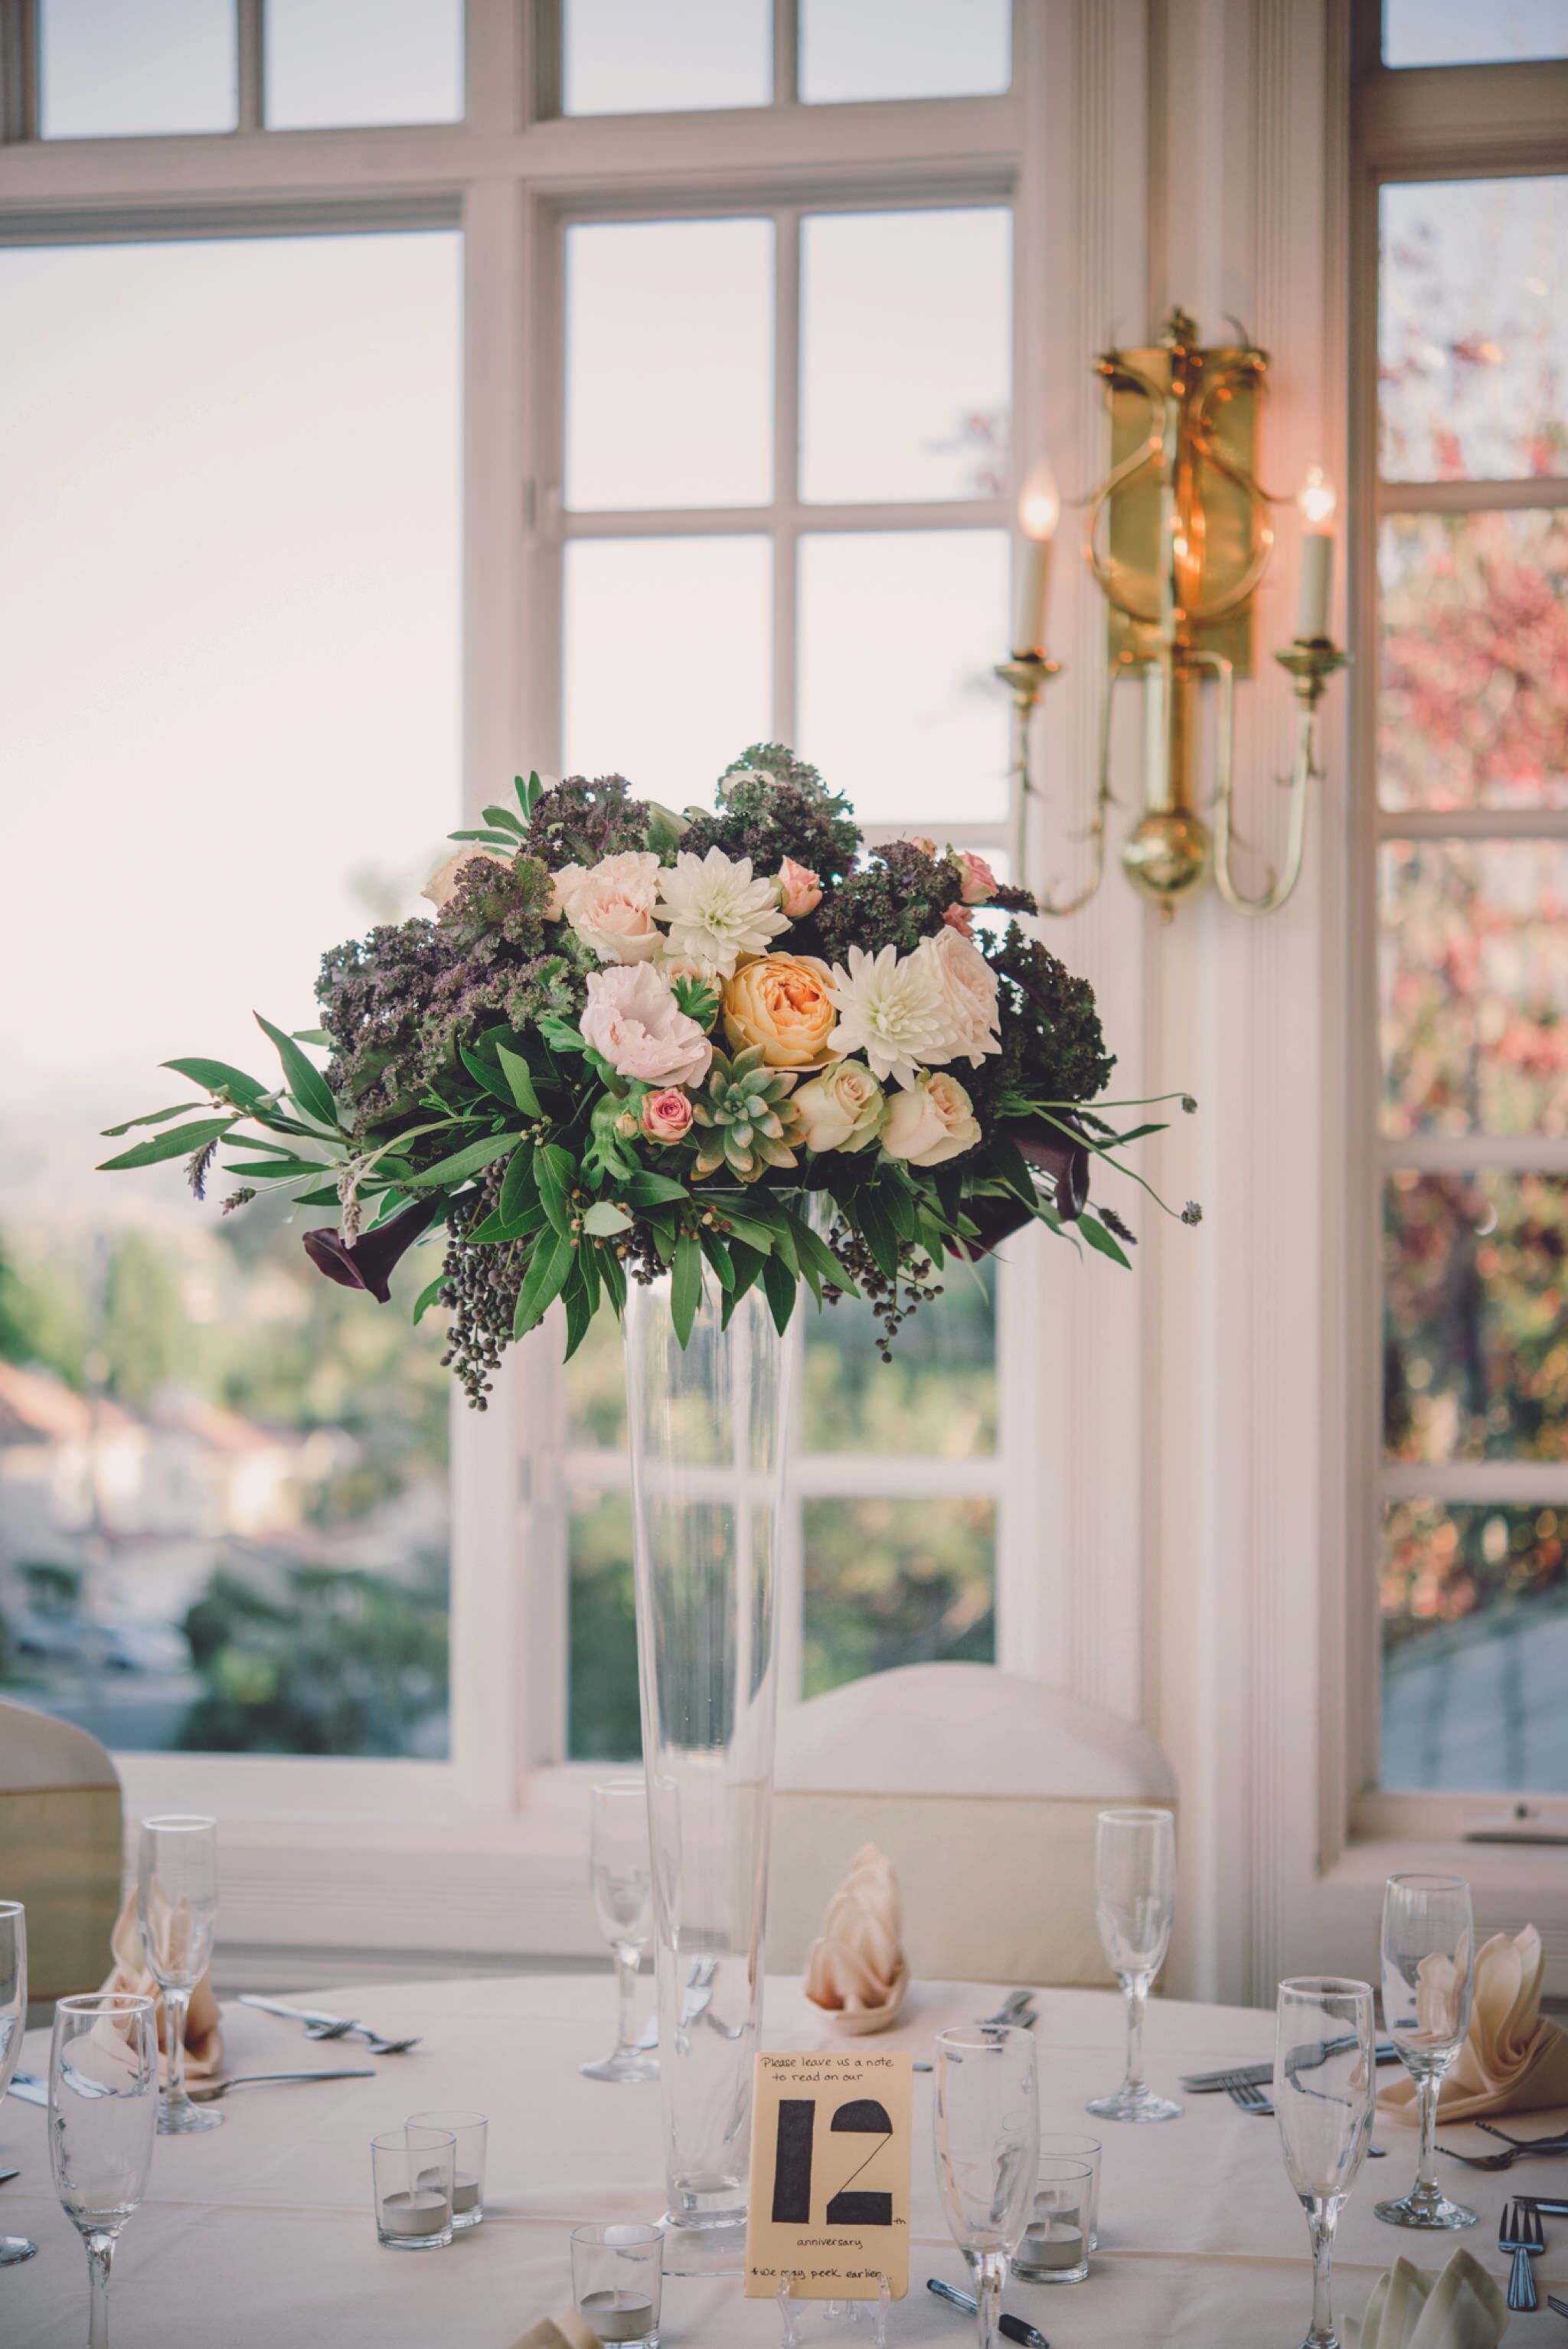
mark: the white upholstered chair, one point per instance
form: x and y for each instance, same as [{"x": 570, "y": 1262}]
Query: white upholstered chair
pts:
[
  {"x": 982, "y": 1789},
  {"x": 60, "y": 1847}
]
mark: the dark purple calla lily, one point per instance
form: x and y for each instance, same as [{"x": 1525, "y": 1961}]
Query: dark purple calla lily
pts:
[
  {"x": 1061, "y": 1156},
  {"x": 368, "y": 1263}
]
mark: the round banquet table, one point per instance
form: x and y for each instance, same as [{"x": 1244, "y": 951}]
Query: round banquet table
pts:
[{"x": 260, "y": 2236}]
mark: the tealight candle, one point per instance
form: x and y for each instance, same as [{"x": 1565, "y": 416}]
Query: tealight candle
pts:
[
  {"x": 464, "y": 2189},
  {"x": 470, "y": 2133},
  {"x": 422, "y": 2211},
  {"x": 1054, "y": 2244},
  {"x": 617, "y": 2315},
  {"x": 412, "y": 2173}
]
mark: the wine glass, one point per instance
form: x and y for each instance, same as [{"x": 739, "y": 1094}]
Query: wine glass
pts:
[
  {"x": 1135, "y": 1897},
  {"x": 987, "y": 2132},
  {"x": 1324, "y": 2089},
  {"x": 621, "y": 1873},
  {"x": 178, "y": 1912},
  {"x": 103, "y": 2116},
  {"x": 13, "y": 2023},
  {"x": 1428, "y": 1945}
]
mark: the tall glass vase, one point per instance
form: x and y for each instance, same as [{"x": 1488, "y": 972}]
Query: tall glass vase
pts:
[{"x": 709, "y": 1437}]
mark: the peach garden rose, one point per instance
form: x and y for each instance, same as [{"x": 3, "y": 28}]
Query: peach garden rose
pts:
[{"x": 783, "y": 1002}]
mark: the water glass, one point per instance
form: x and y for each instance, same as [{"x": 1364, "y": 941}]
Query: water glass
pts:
[
  {"x": 470, "y": 2132},
  {"x": 621, "y": 1873},
  {"x": 177, "y": 1909},
  {"x": 1135, "y": 1900},
  {"x": 1325, "y": 2090},
  {"x": 103, "y": 2116},
  {"x": 1428, "y": 1952},
  {"x": 1056, "y": 2144},
  {"x": 617, "y": 2279},
  {"x": 1054, "y": 2249},
  {"x": 13, "y": 2023},
  {"x": 987, "y": 2133},
  {"x": 412, "y": 2170}
]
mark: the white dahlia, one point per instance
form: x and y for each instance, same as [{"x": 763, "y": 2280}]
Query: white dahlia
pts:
[
  {"x": 892, "y": 1007},
  {"x": 712, "y": 908}
]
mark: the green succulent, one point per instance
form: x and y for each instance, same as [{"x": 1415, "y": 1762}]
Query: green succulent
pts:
[{"x": 749, "y": 1119}]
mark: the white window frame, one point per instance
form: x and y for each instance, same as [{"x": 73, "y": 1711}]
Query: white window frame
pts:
[
  {"x": 336, "y": 1835},
  {"x": 1441, "y": 123}
]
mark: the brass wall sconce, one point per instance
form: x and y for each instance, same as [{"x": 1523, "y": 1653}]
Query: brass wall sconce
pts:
[{"x": 1178, "y": 536}]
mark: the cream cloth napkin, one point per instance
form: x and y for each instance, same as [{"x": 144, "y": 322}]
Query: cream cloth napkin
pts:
[
  {"x": 857, "y": 1965},
  {"x": 566, "y": 2331},
  {"x": 204, "y": 2037},
  {"x": 1512, "y": 2060},
  {"x": 1462, "y": 2308}
]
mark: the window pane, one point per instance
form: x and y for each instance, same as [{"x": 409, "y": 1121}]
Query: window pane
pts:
[
  {"x": 1474, "y": 985},
  {"x": 668, "y": 661},
  {"x": 1473, "y": 691},
  {"x": 896, "y": 1582},
  {"x": 222, "y": 1519},
  {"x": 1457, "y": 33},
  {"x": 669, "y": 364},
  {"x": 921, "y": 737},
  {"x": 938, "y": 1396},
  {"x": 603, "y": 1723},
  {"x": 906, "y": 355},
  {"x": 336, "y": 62},
  {"x": 623, "y": 57},
  {"x": 904, "y": 49},
  {"x": 1475, "y": 1648},
  {"x": 1473, "y": 330},
  {"x": 596, "y": 1390},
  {"x": 136, "y": 68},
  {"x": 1475, "y": 1361}
]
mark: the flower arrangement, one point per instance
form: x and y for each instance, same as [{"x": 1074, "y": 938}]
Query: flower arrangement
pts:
[{"x": 631, "y": 1042}]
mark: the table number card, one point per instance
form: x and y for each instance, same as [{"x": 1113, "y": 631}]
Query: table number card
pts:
[{"x": 832, "y": 2143}]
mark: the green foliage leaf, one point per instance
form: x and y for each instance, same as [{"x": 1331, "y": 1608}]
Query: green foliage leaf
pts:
[
  {"x": 816, "y": 1255},
  {"x": 613, "y": 1274},
  {"x": 316, "y": 1036},
  {"x": 177, "y": 1143},
  {"x": 428, "y": 1294},
  {"x": 899, "y": 1207},
  {"x": 562, "y": 1033},
  {"x": 153, "y": 1117},
  {"x": 604, "y": 1219},
  {"x": 645, "y": 1190},
  {"x": 273, "y": 1169},
  {"x": 496, "y": 1228},
  {"x": 717, "y": 1255},
  {"x": 305, "y": 1082},
  {"x": 554, "y": 1169},
  {"x": 473, "y": 1159},
  {"x": 779, "y": 1283},
  {"x": 529, "y": 794},
  {"x": 518, "y": 1190},
  {"x": 877, "y": 1231},
  {"x": 665, "y": 829},
  {"x": 515, "y": 1070},
  {"x": 490, "y": 839},
  {"x": 581, "y": 1297},
  {"x": 686, "y": 1287},
  {"x": 503, "y": 819},
  {"x": 219, "y": 1077},
  {"x": 549, "y": 1267},
  {"x": 1101, "y": 1241},
  {"x": 492, "y": 1079}
]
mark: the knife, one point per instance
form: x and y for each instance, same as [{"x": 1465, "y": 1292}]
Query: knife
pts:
[
  {"x": 1258, "y": 2076},
  {"x": 1012, "y": 2327}
]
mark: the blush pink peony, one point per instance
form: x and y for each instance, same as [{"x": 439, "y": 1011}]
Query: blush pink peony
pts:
[{"x": 633, "y": 1021}]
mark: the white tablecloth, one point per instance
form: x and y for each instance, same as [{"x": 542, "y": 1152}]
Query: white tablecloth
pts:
[{"x": 260, "y": 2236}]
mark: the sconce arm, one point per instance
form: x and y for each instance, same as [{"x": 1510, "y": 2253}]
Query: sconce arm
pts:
[
  {"x": 1102, "y": 800},
  {"x": 1311, "y": 661}
]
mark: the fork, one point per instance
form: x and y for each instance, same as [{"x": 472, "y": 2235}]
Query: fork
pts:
[
  {"x": 1251, "y": 2099},
  {"x": 207, "y": 2092},
  {"x": 1016, "y": 2011},
  {"x": 1498, "y": 2160},
  {"x": 1556, "y": 2143},
  {"x": 1520, "y": 2234}
]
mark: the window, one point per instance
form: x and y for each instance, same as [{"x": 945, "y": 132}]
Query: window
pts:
[{"x": 1472, "y": 628}]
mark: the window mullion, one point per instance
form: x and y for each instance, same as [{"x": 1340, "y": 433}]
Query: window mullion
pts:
[
  {"x": 786, "y": 460},
  {"x": 1472, "y": 497},
  {"x": 18, "y": 70},
  {"x": 786, "y": 52},
  {"x": 249, "y": 49}
]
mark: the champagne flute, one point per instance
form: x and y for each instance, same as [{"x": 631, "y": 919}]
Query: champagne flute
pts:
[
  {"x": 621, "y": 1873},
  {"x": 1324, "y": 2089},
  {"x": 1428, "y": 1945},
  {"x": 1135, "y": 1898},
  {"x": 987, "y": 2134},
  {"x": 178, "y": 1912},
  {"x": 103, "y": 2116},
  {"x": 13, "y": 2249}
]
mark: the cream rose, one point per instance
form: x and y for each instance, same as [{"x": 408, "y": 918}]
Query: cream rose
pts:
[
  {"x": 634, "y": 1022},
  {"x": 666, "y": 1116},
  {"x": 933, "y": 1120},
  {"x": 785, "y": 1003},
  {"x": 442, "y": 886},
  {"x": 800, "y": 890},
  {"x": 611, "y": 907},
  {"x": 968, "y": 984},
  {"x": 841, "y": 1108}
]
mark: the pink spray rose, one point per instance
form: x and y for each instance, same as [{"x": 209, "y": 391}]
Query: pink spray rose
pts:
[
  {"x": 959, "y": 918},
  {"x": 666, "y": 1116},
  {"x": 979, "y": 881},
  {"x": 799, "y": 891},
  {"x": 633, "y": 1021}
]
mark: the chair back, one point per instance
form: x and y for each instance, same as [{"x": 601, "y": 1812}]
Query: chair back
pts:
[
  {"x": 61, "y": 1846},
  {"x": 983, "y": 1790}
]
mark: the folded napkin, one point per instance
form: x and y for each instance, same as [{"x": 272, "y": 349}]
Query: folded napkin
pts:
[
  {"x": 1512, "y": 2060},
  {"x": 857, "y": 1966},
  {"x": 566, "y": 2331},
  {"x": 203, "y": 2038},
  {"x": 1462, "y": 2308}
]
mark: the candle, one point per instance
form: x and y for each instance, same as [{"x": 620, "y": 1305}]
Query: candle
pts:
[
  {"x": 1318, "y": 502},
  {"x": 1039, "y": 511},
  {"x": 421, "y": 2212},
  {"x": 617, "y": 2315},
  {"x": 1053, "y": 2243},
  {"x": 465, "y": 2188}
]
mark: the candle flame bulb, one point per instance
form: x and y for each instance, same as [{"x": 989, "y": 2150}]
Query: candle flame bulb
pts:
[
  {"x": 1040, "y": 507},
  {"x": 1318, "y": 499}
]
